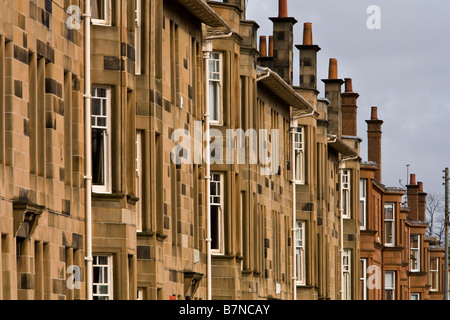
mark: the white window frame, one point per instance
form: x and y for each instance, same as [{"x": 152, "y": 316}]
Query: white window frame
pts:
[
  {"x": 217, "y": 57},
  {"x": 242, "y": 228},
  {"x": 415, "y": 250},
  {"x": 106, "y": 187},
  {"x": 217, "y": 200},
  {"x": 108, "y": 13},
  {"x": 345, "y": 194},
  {"x": 139, "y": 180},
  {"x": 434, "y": 273},
  {"x": 347, "y": 274},
  {"x": 363, "y": 204},
  {"x": 389, "y": 244},
  {"x": 109, "y": 271},
  {"x": 300, "y": 272},
  {"x": 363, "y": 277},
  {"x": 415, "y": 295},
  {"x": 138, "y": 37},
  {"x": 299, "y": 155},
  {"x": 392, "y": 289}
]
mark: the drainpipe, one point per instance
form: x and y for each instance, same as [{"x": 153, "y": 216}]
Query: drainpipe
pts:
[
  {"x": 294, "y": 215},
  {"x": 341, "y": 210},
  {"x": 88, "y": 149},
  {"x": 207, "y": 48}
]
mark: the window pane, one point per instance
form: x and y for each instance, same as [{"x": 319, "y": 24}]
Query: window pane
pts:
[
  {"x": 215, "y": 228},
  {"x": 214, "y": 100},
  {"x": 96, "y": 107},
  {"x": 389, "y": 280},
  {"x": 389, "y": 233},
  {"x": 98, "y": 157},
  {"x": 389, "y": 211},
  {"x": 98, "y": 9}
]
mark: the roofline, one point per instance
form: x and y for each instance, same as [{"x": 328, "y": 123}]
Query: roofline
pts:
[
  {"x": 288, "y": 95},
  {"x": 205, "y": 14}
]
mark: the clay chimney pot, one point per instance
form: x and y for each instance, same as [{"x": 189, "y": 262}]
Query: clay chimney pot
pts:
[
  {"x": 263, "y": 46},
  {"x": 420, "y": 186},
  {"x": 333, "y": 72},
  {"x": 307, "y": 34},
  {"x": 374, "y": 113},
  {"x": 412, "y": 179},
  {"x": 283, "y": 9},
  {"x": 270, "y": 46},
  {"x": 348, "y": 85}
]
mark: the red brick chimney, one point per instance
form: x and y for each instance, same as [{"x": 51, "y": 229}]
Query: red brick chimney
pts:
[
  {"x": 263, "y": 46},
  {"x": 422, "y": 208},
  {"x": 333, "y": 90},
  {"x": 308, "y": 60},
  {"x": 283, "y": 43},
  {"x": 413, "y": 198},
  {"x": 349, "y": 110},
  {"x": 374, "y": 134}
]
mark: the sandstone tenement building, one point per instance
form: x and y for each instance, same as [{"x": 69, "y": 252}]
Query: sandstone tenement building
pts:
[{"x": 312, "y": 223}]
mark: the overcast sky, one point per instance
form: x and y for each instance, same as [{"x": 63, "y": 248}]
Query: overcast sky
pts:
[{"x": 403, "y": 69}]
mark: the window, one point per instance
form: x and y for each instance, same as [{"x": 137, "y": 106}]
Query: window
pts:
[
  {"x": 216, "y": 206},
  {"x": 300, "y": 253},
  {"x": 362, "y": 204},
  {"x": 345, "y": 182},
  {"x": 415, "y": 252},
  {"x": 138, "y": 36},
  {"x": 363, "y": 278},
  {"x": 215, "y": 87},
  {"x": 346, "y": 275},
  {"x": 101, "y": 12},
  {"x": 102, "y": 283},
  {"x": 299, "y": 155},
  {"x": 139, "y": 181},
  {"x": 140, "y": 294},
  {"x": 389, "y": 225},
  {"x": 389, "y": 285},
  {"x": 434, "y": 274},
  {"x": 101, "y": 141},
  {"x": 415, "y": 296}
]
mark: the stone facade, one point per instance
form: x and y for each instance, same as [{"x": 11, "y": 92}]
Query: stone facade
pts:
[{"x": 159, "y": 69}]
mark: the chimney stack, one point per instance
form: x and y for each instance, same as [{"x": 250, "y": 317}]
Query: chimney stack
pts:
[
  {"x": 349, "y": 110},
  {"x": 333, "y": 90},
  {"x": 283, "y": 43},
  {"x": 422, "y": 214},
  {"x": 308, "y": 60},
  {"x": 374, "y": 135},
  {"x": 263, "y": 46}
]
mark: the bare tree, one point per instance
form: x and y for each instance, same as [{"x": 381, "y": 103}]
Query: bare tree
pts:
[{"x": 435, "y": 216}]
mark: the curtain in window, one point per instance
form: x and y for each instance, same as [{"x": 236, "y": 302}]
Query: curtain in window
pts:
[{"x": 98, "y": 9}]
